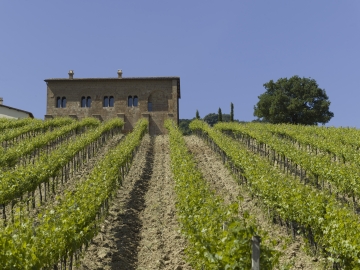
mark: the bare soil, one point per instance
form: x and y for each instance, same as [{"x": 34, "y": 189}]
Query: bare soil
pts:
[
  {"x": 221, "y": 180},
  {"x": 141, "y": 230}
]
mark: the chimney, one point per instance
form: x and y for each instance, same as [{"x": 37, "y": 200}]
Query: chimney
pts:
[
  {"x": 1, "y": 101},
  {"x": 71, "y": 74},
  {"x": 119, "y": 74}
]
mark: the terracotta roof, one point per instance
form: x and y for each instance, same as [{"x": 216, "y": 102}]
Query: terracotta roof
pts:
[{"x": 29, "y": 113}]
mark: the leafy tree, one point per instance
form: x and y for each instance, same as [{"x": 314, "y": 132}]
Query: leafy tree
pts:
[
  {"x": 295, "y": 100},
  {"x": 231, "y": 112},
  {"x": 197, "y": 114},
  {"x": 219, "y": 115},
  {"x": 213, "y": 118},
  {"x": 184, "y": 126}
]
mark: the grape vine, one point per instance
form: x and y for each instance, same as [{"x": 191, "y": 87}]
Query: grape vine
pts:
[
  {"x": 61, "y": 233},
  {"x": 203, "y": 216},
  {"x": 331, "y": 229}
]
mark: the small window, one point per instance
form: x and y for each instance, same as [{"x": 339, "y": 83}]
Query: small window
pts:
[
  {"x": 130, "y": 101},
  {"x": 63, "y": 102},
  {"x": 88, "y": 102},
  {"x": 58, "y": 102},
  {"x": 111, "y": 101},
  {"x": 106, "y": 102},
  {"x": 83, "y": 102},
  {"x": 135, "y": 103},
  {"x": 149, "y": 107}
]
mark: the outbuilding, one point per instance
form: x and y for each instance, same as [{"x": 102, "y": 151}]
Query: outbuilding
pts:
[{"x": 13, "y": 113}]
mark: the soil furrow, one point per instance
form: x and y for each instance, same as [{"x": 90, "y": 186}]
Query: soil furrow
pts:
[
  {"x": 221, "y": 180},
  {"x": 161, "y": 245},
  {"x": 141, "y": 231}
]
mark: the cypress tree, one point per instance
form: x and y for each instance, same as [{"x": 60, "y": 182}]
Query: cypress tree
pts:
[
  {"x": 219, "y": 115},
  {"x": 197, "y": 114},
  {"x": 231, "y": 112}
]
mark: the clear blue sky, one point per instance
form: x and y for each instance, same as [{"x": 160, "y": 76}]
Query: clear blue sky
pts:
[{"x": 223, "y": 51}]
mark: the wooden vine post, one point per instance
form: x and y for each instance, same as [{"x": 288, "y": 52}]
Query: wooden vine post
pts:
[{"x": 255, "y": 257}]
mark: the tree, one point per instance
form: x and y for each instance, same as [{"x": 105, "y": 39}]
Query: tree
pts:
[
  {"x": 197, "y": 115},
  {"x": 231, "y": 112},
  {"x": 219, "y": 115},
  {"x": 212, "y": 118},
  {"x": 184, "y": 126},
  {"x": 295, "y": 100}
]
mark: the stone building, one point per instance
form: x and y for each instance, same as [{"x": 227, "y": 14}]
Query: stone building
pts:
[{"x": 129, "y": 98}]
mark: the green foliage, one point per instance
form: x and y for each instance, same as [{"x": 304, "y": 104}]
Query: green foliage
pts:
[
  {"x": 197, "y": 115},
  {"x": 231, "y": 112},
  {"x": 184, "y": 126},
  {"x": 220, "y": 118},
  {"x": 334, "y": 227},
  {"x": 202, "y": 215},
  {"x": 29, "y": 145},
  {"x": 33, "y": 126},
  {"x": 6, "y": 123},
  {"x": 212, "y": 118},
  {"x": 15, "y": 183},
  {"x": 72, "y": 222},
  {"x": 295, "y": 100},
  {"x": 317, "y": 165}
]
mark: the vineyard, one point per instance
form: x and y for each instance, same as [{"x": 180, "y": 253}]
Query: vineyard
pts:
[{"x": 83, "y": 195}]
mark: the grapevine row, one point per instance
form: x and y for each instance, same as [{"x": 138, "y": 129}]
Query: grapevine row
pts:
[
  {"x": 6, "y": 123},
  {"x": 11, "y": 136},
  {"x": 329, "y": 227},
  {"x": 218, "y": 238},
  {"x": 28, "y": 146},
  {"x": 344, "y": 136},
  {"x": 331, "y": 141},
  {"x": 25, "y": 179},
  {"x": 341, "y": 178},
  {"x": 62, "y": 232}
]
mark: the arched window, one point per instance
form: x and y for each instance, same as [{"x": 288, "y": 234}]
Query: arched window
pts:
[
  {"x": 130, "y": 101},
  {"x": 63, "y": 102},
  {"x": 88, "y": 102},
  {"x": 135, "y": 103},
  {"x": 83, "y": 102},
  {"x": 106, "y": 102},
  {"x": 58, "y": 102},
  {"x": 149, "y": 107},
  {"x": 111, "y": 101}
]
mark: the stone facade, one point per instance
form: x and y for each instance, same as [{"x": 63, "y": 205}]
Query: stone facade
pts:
[{"x": 157, "y": 99}]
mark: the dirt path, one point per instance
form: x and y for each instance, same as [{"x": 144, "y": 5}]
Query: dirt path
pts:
[
  {"x": 141, "y": 231},
  {"x": 221, "y": 180}
]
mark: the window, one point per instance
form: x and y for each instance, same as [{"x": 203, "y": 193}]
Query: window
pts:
[
  {"x": 58, "y": 102},
  {"x": 83, "y": 102},
  {"x": 88, "y": 102},
  {"x": 106, "y": 102},
  {"x": 149, "y": 107},
  {"x": 63, "y": 102},
  {"x": 130, "y": 101},
  {"x": 135, "y": 102},
  {"x": 111, "y": 101}
]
